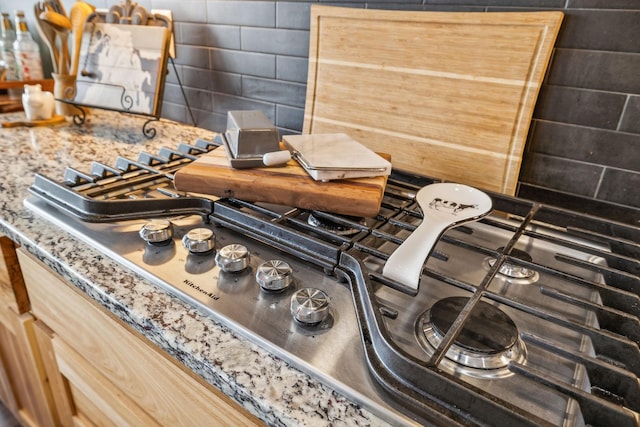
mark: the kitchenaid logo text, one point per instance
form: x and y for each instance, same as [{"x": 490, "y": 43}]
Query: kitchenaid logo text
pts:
[
  {"x": 199, "y": 289},
  {"x": 447, "y": 205}
]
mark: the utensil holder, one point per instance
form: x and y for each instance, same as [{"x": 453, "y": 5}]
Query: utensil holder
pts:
[{"x": 64, "y": 88}]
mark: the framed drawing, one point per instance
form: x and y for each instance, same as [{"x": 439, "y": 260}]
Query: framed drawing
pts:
[{"x": 122, "y": 67}]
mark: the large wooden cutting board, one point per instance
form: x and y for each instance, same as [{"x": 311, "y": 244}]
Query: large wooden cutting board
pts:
[
  {"x": 289, "y": 185},
  {"x": 447, "y": 94}
]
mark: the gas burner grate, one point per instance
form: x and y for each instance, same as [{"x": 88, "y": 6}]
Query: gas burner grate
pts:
[{"x": 613, "y": 334}]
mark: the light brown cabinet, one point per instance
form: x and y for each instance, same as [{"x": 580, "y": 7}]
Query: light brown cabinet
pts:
[
  {"x": 93, "y": 369},
  {"x": 23, "y": 384}
]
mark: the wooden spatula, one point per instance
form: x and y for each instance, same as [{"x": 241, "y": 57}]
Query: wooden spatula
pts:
[{"x": 79, "y": 13}]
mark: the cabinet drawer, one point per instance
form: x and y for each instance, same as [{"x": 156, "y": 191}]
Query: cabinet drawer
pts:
[{"x": 139, "y": 370}]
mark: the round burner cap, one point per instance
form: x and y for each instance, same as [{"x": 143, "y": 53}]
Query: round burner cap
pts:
[
  {"x": 488, "y": 329},
  {"x": 334, "y": 227}
]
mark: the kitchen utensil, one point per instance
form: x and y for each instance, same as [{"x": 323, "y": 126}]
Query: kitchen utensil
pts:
[
  {"x": 335, "y": 156},
  {"x": 47, "y": 34},
  {"x": 57, "y": 7},
  {"x": 289, "y": 185},
  {"x": 62, "y": 25},
  {"x": 63, "y": 90},
  {"x": 32, "y": 123},
  {"x": 443, "y": 205},
  {"x": 78, "y": 16}
]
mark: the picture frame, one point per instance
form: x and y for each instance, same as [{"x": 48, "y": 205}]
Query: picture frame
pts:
[{"x": 122, "y": 67}]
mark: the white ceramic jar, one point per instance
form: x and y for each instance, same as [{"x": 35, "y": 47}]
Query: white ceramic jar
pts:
[{"x": 38, "y": 105}]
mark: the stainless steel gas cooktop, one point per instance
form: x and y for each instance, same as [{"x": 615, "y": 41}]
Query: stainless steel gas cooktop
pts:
[{"x": 526, "y": 317}]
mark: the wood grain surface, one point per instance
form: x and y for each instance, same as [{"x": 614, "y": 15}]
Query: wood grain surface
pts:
[
  {"x": 289, "y": 185},
  {"x": 447, "y": 94}
]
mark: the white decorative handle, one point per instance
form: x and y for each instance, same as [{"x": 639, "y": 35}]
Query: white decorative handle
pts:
[
  {"x": 405, "y": 263},
  {"x": 276, "y": 158},
  {"x": 443, "y": 206}
]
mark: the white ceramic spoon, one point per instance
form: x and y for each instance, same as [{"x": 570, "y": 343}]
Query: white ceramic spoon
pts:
[{"x": 444, "y": 205}]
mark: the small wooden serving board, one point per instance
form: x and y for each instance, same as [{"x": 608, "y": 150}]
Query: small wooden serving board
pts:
[{"x": 289, "y": 185}]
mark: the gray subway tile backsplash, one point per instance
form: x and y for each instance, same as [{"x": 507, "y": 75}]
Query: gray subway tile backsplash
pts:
[
  {"x": 184, "y": 11},
  {"x": 176, "y": 112},
  {"x": 604, "y": 4},
  {"x": 585, "y": 142},
  {"x": 621, "y": 187},
  {"x": 199, "y": 78},
  {"x": 291, "y": 68},
  {"x": 566, "y": 175},
  {"x": 249, "y": 13},
  {"x": 592, "y": 69},
  {"x": 286, "y": 93},
  {"x": 608, "y": 30},
  {"x": 288, "y": 117},
  {"x": 195, "y": 56},
  {"x": 191, "y": 33},
  {"x": 209, "y": 120},
  {"x": 223, "y": 36},
  {"x": 243, "y": 62},
  {"x": 225, "y": 103},
  {"x": 293, "y": 14},
  {"x": 580, "y": 106},
  {"x": 277, "y": 41},
  {"x": 630, "y": 121},
  {"x": 500, "y": 3},
  {"x": 200, "y": 99}
]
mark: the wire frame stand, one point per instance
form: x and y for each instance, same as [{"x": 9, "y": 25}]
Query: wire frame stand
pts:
[
  {"x": 98, "y": 83},
  {"x": 126, "y": 102}
]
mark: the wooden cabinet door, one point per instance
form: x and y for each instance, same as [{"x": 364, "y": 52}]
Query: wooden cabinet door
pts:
[
  {"x": 103, "y": 363},
  {"x": 83, "y": 395},
  {"x": 23, "y": 384}
]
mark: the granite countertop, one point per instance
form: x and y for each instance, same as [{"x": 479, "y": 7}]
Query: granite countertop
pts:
[{"x": 262, "y": 383}]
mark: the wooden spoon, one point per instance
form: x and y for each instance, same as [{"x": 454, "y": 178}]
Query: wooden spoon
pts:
[
  {"x": 62, "y": 26},
  {"x": 47, "y": 34},
  {"x": 79, "y": 13},
  {"x": 444, "y": 205}
]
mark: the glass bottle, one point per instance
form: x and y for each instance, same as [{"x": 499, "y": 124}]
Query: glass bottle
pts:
[
  {"x": 7, "y": 58},
  {"x": 26, "y": 51}
]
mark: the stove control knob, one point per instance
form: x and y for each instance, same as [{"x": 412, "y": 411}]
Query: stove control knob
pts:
[
  {"x": 274, "y": 275},
  {"x": 233, "y": 258},
  {"x": 199, "y": 241},
  {"x": 310, "y": 306},
  {"x": 157, "y": 232}
]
